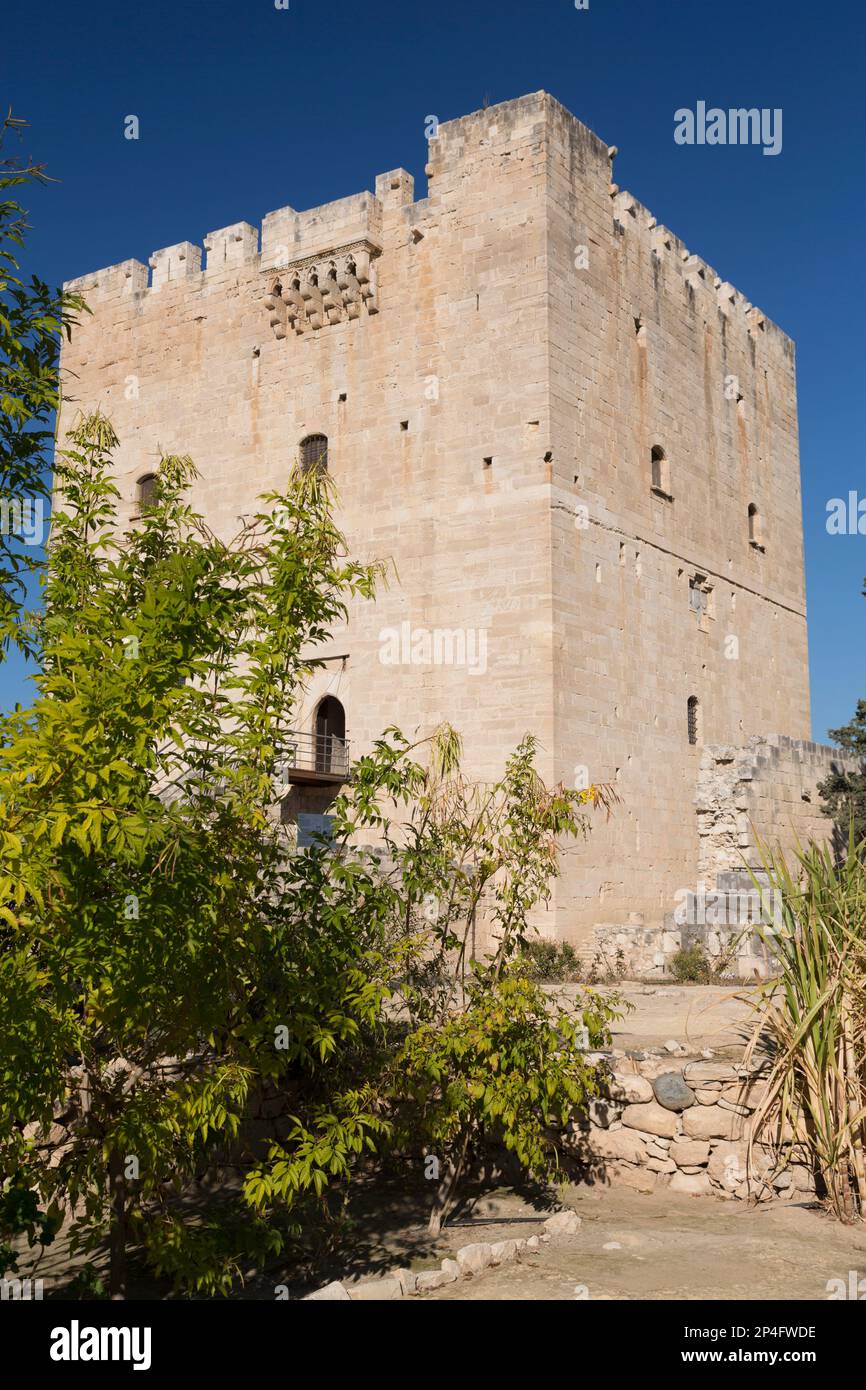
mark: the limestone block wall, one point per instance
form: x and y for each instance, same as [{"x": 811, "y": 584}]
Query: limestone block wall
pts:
[
  {"x": 413, "y": 335},
  {"x": 649, "y": 348}
]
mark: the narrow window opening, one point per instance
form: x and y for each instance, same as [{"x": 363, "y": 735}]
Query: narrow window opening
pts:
[
  {"x": 700, "y": 593},
  {"x": 147, "y": 491},
  {"x": 660, "y": 473},
  {"x": 314, "y": 454},
  {"x": 330, "y": 736},
  {"x": 693, "y": 717},
  {"x": 756, "y": 538}
]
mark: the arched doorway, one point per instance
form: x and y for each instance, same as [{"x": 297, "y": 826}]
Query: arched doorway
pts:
[{"x": 330, "y": 736}]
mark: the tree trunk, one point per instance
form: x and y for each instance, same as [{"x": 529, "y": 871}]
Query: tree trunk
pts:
[
  {"x": 117, "y": 1227},
  {"x": 444, "y": 1199}
]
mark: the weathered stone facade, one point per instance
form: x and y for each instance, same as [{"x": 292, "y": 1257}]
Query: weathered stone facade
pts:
[
  {"x": 554, "y": 421},
  {"x": 766, "y": 792}
]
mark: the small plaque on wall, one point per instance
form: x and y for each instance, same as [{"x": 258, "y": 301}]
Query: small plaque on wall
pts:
[{"x": 313, "y": 829}]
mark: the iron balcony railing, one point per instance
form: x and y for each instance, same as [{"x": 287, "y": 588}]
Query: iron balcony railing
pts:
[{"x": 313, "y": 756}]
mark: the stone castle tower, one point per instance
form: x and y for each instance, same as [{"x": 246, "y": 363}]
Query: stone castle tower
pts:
[{"x": 574, "y": 440}]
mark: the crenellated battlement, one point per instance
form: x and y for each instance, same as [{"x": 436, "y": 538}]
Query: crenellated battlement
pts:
[
  {"x": 632, "y": 218},
  {"x": 321, "y": 262},
  {"x": 348, "y": 228}
]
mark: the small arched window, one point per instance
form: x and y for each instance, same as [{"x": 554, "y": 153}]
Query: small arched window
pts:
[
  {"x": 660, "y": 471},
  {"x": 314, "y": 454},
  {"x": 146, "y": 491},
  {"x": 694, "y": 719},
  {"x": 756, "y": 538}
]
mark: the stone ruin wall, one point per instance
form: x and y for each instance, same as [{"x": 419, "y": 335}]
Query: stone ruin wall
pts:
[{"x": 764, "y": 793}]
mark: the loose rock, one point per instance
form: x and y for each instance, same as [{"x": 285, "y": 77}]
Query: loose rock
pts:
[
  {"x": 475, "y": 1257},
  {"x": 672, "y": 1092},
  {"x": 377, "y": 1290},
  {"x": 651, "y": 1118},
  {"x": 329, "y": 1293},
  {"x": 563, "y": 1223}
]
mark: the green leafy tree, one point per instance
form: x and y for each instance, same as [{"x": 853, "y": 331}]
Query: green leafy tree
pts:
[
  {"x": 166, "y": 954},
  {"x": 143, "y": 971},
  {"x": 473, "y": 1056},
  {"x": 31, "y": 318}
]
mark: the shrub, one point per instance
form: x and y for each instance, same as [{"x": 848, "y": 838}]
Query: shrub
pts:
[
  {"x": 552, "y": 961},
  {"x": 165, "y": 951},
  {"x": 690, "y": 965},
  {"x": 813, "y": 1018}
]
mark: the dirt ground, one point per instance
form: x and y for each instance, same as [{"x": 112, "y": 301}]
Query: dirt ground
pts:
[
  {"x": 698, "y": 1016},
  {"x": 631, "y": 1246},
  {"x": 667, "y": 1245}
]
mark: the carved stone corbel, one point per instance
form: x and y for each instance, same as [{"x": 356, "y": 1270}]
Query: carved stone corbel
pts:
[
  {"x": 348, "y": 282},
  {"x": 366, "y": 275},
  {"x": 312, "y": 298},
  {"x": 332, "y": 298},
  {"x": 313, "y": 293},
  {"x": 295, "y": 309},
  {"x": 276, "y": 311}
]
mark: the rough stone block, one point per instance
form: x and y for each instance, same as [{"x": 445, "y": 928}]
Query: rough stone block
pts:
[
  {"x": 652, "y": 1118},
  {"x": 712, "y": 1122},
  {"x": 631, "y": 1087},
  {"x": 563, "y": 1223},
  {"x": 377, "y": 1290},
  {"x": 334, "y": 1292},
  {"x": 619, "y": 1144},
  {"x": 689, "y": 1151},
  {"x": 696, "y": 1184},
  {"x": 475, "y": 1257},
  {"x": 696, "y": 1073}
]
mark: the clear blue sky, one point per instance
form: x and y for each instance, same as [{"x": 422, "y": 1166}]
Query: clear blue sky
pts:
[{"x": 245, "y": 108}]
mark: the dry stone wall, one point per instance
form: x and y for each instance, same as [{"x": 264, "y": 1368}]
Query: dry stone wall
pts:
[{"x": 686, "y": 1125}]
